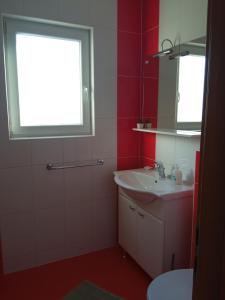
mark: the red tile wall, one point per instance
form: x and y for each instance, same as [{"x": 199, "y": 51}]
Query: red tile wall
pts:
[
  {"x": 129, "y": 83},
  {"x": 195, "y": 209},
  {"x": 138, "y": 26},
  {"x": 150, "y": 73}
]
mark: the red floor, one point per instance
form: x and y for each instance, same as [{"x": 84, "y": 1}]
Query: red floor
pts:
[{"x": 105, "y": 268}]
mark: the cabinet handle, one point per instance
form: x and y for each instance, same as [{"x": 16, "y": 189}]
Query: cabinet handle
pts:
[
  {"x": 141, "y": 215},
  {"x": 131, "y": 208}
]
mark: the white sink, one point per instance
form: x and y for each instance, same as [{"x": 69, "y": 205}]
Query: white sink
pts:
[{"x": 145, "y": 185}]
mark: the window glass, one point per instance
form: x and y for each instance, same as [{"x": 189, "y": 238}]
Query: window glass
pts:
[
  {"x": 49, "y": 80},
  {"x": 190, "y": 88}
]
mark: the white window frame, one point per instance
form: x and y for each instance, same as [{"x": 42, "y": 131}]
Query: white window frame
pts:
[{"x": 13, "y": 25}]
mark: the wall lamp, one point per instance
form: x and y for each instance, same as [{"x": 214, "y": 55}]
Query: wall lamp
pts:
[
  {"x": 166, "y": 51},
  {"x": 179, "y": 54},
  {"x": 170, "y": 52},
  {"x": 163, "y": 51}
]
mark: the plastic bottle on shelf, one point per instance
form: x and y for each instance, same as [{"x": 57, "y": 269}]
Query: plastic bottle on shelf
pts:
[
  {"x": 173, "y": 173},
  {"x": 178, "y": 176}
]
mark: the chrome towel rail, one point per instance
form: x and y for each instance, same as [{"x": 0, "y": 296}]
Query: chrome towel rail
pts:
[{"x": 98, "y": 162}]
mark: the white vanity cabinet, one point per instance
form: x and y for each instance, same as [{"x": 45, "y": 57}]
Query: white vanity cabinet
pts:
[
  {"x": 157, "y": 235},
  {"x": 128, "y": 225},
  {"x": 150, "y": 234}
]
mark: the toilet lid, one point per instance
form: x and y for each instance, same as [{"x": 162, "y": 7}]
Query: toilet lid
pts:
[{"x": 173, "y": 285}]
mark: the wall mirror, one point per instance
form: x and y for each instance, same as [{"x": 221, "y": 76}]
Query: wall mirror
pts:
[{"x": 181, "y": 86}]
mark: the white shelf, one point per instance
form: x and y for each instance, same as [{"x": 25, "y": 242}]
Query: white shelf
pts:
[{"x": 174, "y": 132}]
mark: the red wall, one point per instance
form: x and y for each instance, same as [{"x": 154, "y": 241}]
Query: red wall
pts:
[
  {"x": 150, "y": 73},
  {"x": 138, "y": 26},
  {"x": 129, "y": 80}
]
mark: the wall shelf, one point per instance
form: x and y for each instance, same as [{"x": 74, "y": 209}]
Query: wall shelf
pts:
[{"x": 174, "y": 132}]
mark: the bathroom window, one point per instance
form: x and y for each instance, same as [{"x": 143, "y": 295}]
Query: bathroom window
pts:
[
  {"x": 190, "y": 91},
  {"x": 49, "y": 79}
]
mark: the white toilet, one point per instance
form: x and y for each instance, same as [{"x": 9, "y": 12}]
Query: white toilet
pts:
[{"x": 173, "y": 285}]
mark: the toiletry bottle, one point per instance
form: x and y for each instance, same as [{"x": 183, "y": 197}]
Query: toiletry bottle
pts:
[
  {"x": 172, "y": 173},
  {"x": 178, "y": 176}
]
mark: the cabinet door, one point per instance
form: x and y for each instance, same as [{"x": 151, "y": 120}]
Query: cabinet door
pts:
[
  {"x": 128, "y": 226},
  {"x": 150, "y": 241}
]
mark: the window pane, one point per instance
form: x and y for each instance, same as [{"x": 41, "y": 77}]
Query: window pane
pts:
[
  {"x": 191, "y": 87},
  {"x": 49, "y": 80}
]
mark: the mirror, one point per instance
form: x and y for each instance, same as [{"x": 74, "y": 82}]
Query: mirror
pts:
[{"x": 181, "y": 85}]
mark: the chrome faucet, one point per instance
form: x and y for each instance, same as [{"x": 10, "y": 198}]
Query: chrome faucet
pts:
[{"x": 161, "y": 169}]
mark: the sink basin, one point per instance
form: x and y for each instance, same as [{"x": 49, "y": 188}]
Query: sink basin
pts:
[{"x": 145, "y": 185}]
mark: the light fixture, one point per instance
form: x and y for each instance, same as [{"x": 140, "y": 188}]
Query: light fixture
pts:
[
  {"x": 166, "y": 51},
  {"x": 179, "y": 54},
  {"x": 163, "y": 51}
]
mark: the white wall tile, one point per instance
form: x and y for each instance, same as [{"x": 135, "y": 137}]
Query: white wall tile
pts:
[
  {"x": 14, "y": 263},
  {"x": 165, "y": 149},
  {"x": 77, "y": 149},
  {"x": 177, "y": 150},
  {"x": 77, "y": 185},
  {"x": 77, "y": 12},
  {"x": 104, "y": 221},
  {"x": 102, "y": 183},
  {"x": 11, "y": 6},
  {"x": 105, "y": 97},
  {"x": 50, "y": 229},
  {"x": 103, "y": 13},
  {"x": 104, "y": 142},
  {"x": 104, "y": 49},
  {"x": 105, "y": 69},
  {"x": 47, "y": 151},
  {"x": 48, "y": 188},
  {"x": 186, "y": 151},
  {"x": 17, "y": 234},
  {"x": 38, "y": 8},
  {"x": 79, "y": 228},
  {"x": 44, "y": 257},
  {"x": 16, "y": 190},
  {"x": 15, "y": 154},
  {"x": 181, "y": 149}
]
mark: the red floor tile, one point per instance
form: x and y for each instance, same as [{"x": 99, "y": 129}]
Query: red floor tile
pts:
[{"x": 105, "y": 268}]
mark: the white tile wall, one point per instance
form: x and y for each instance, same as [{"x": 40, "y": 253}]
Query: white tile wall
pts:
[
  {"x": 105, "y": 226},
  {"x": 106, "y": 9},
  {"x": 44, "y": 257},
  {"x": 50, "y": 229},
  {"x": 16, "y": 190},
  {"x": 47, "y": 151},
  {"x": 18, "y": 233},
  {"x": 48, "y": 188},
  {"x": 47, "y": 216},
  {"x": 11, "y": 6},
  {"x": 102, "y": 179},
  {"x": 177, "y": 150},
  {"x": 14, "y": 153},
  {"x": 38, "y": 9},
  {"x": 79, "y": 228},
  {"x": 77, "y": 149},
  {"x": 78, "y": 185},
  {"x": 77, "y": 12},
  {"x": 13, "y": 264},
  {"x": 18, "y": 241},
  {"x": 104, "y": 142}
]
